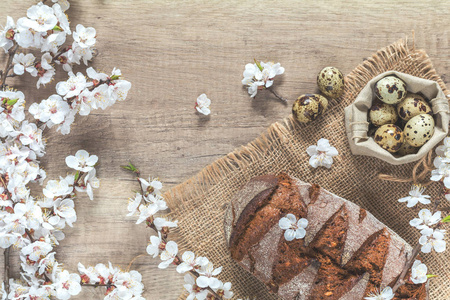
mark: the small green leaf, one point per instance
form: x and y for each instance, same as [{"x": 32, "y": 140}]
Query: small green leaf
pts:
[
  {"x": 57, "y": 28},
  {"x": 11, "y": 102},
  {"x": 446, "y": 219},
  {"x": 258, "y": 64},
  {"x": 130, "y": 167},
  {"x": 114, "y": 77},
  {"x": 431, "y": 276},
  {"x": 77, "y": 176}
]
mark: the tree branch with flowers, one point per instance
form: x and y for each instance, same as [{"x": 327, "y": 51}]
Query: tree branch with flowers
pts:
[
  {"x": 200, "y": 274},
  {"x": 35, "y": 224}
]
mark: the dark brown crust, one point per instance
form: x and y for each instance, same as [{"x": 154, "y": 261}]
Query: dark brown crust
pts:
[
  {"x": 249, "y": 213},
  {"x": 250, "y": 196}
]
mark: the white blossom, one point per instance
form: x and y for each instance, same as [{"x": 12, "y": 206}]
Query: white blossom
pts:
[
  {"x": 168, "y": 254},
  {"x": 294, "y": 229},
  {"x": 133, "y": 204},
  {"x": 322, "y": 154},
  {"x": 85, "y": 37},
  {"x": 67, "y": 285},
  {"x": 41, "y": 18},
  {"x": 155, "y": 245},
  {"x": 224, "y": 289},
  {"x": 52, "y": 42},
  {"x": 82, "y": 161},
  {"x": 202, "y": 105},
  {"x": 57, "y": 188},
  {"x": 73, "y": 86},
  {"x": 53, "y": 109},
  {"x": 64, "y": 4},
  {"x": 426, "y": 219},
  {"x": 432, "y": 238},
  {"x": 160, "y": 223},
  {"x": 195, "y": 292},
  {"x": 442, "y": 171},
  {"x": 24, "y": 63},
  {"x": 7, "y": 34},
  {"x": 419, "y": 272},
  {"x": 58, "y": 10},
  {"x": 190, "y": 262},
  {"x": 45, "y": 70},
  {"x": 152, "y": 186},
  {"x": 146, "y": 211},
  {"x": 415, "y": 196},
  {"x": 385, "y": 294},
  {"x": 260, "y": 75},
  {"x": 90, "y": 182},
  {"x": 206, "y": 278},
  {"x": 35, "y": 251}
]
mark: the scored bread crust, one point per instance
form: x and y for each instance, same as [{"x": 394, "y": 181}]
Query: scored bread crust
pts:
[{"x": 362, "y": 233}]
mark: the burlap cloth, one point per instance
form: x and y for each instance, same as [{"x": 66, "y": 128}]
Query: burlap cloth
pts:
[{"x": 199, "y": 202}]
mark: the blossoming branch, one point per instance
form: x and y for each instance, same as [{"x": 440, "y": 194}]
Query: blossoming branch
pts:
[
  {"x": 35, "y": 224},
  {"x": 200, "y": 274}
]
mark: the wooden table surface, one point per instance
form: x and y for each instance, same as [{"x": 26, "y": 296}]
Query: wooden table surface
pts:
[{"x": 172, "y": 51}]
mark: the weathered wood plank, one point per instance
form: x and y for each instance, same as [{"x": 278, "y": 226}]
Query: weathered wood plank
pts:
[{"x": 174, "y": 51}]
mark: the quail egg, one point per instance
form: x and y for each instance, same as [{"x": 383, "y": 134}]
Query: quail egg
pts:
[
  {"x": 406, "y": 149},
  {"x": 419, "y": 130},
  {"x": 331, "y": 82},
  {"x": 390, "y": 89},
  {"x": 413, "y": 105},
  {"x": 308, "y": 107},
  {"x": 389, "y": 137},
  {"x": 382, "y": 113}
]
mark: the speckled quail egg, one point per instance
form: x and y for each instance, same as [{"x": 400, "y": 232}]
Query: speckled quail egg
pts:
[
  {"x": 419, "y": 130},
  {"x": 406, "y": 149},
  {"x": 389, "y": 137},
  {"x": 390, "y": 89},
  {"x": 413, "y": 105},
  {"x": 382, "y": 113},
  {"x": 308, "y": 107},
  {"x": 331, "y": 82}
]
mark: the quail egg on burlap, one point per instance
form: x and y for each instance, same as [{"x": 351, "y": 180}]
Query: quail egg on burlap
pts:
[
  {"x": 308, "y": 107},
  {"x": 419, "y": 130},
  {"x": 389, "y": 137},
  {"x": 413, "y": 105},
  {"x": 331, "y": 82},
  {"x": 382, "y": 113},
  {"x": 406, "y": 149},
  {"x": 390, "y": 89}
]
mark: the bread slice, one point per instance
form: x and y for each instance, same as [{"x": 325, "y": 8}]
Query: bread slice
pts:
[{"x": 346, "y": 253}]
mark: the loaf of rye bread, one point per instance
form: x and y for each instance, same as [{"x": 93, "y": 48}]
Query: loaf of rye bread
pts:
[{"x": 346, "y": 253}]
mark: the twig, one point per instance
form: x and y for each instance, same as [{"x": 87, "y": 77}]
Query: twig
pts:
[
  {"x": 276, "y": 95},
  {"x": 400, "y": 280},
  {"x": 8, "y": 65},
  {"x": 29, "y": 235},
  {"x": 6, "y": 254}
]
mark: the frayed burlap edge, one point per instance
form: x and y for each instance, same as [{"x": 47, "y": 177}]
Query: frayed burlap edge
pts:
[{"x": 188, "y": 195}]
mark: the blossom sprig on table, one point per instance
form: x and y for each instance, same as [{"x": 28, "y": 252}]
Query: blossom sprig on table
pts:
[
  {"x": 35, "y": 224},
  {"x": 120, "y": 284},
  {"x": 429, "y": 222},
  {"x": 260, "y": 76},
  {"x": 200, "y": 273}
]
